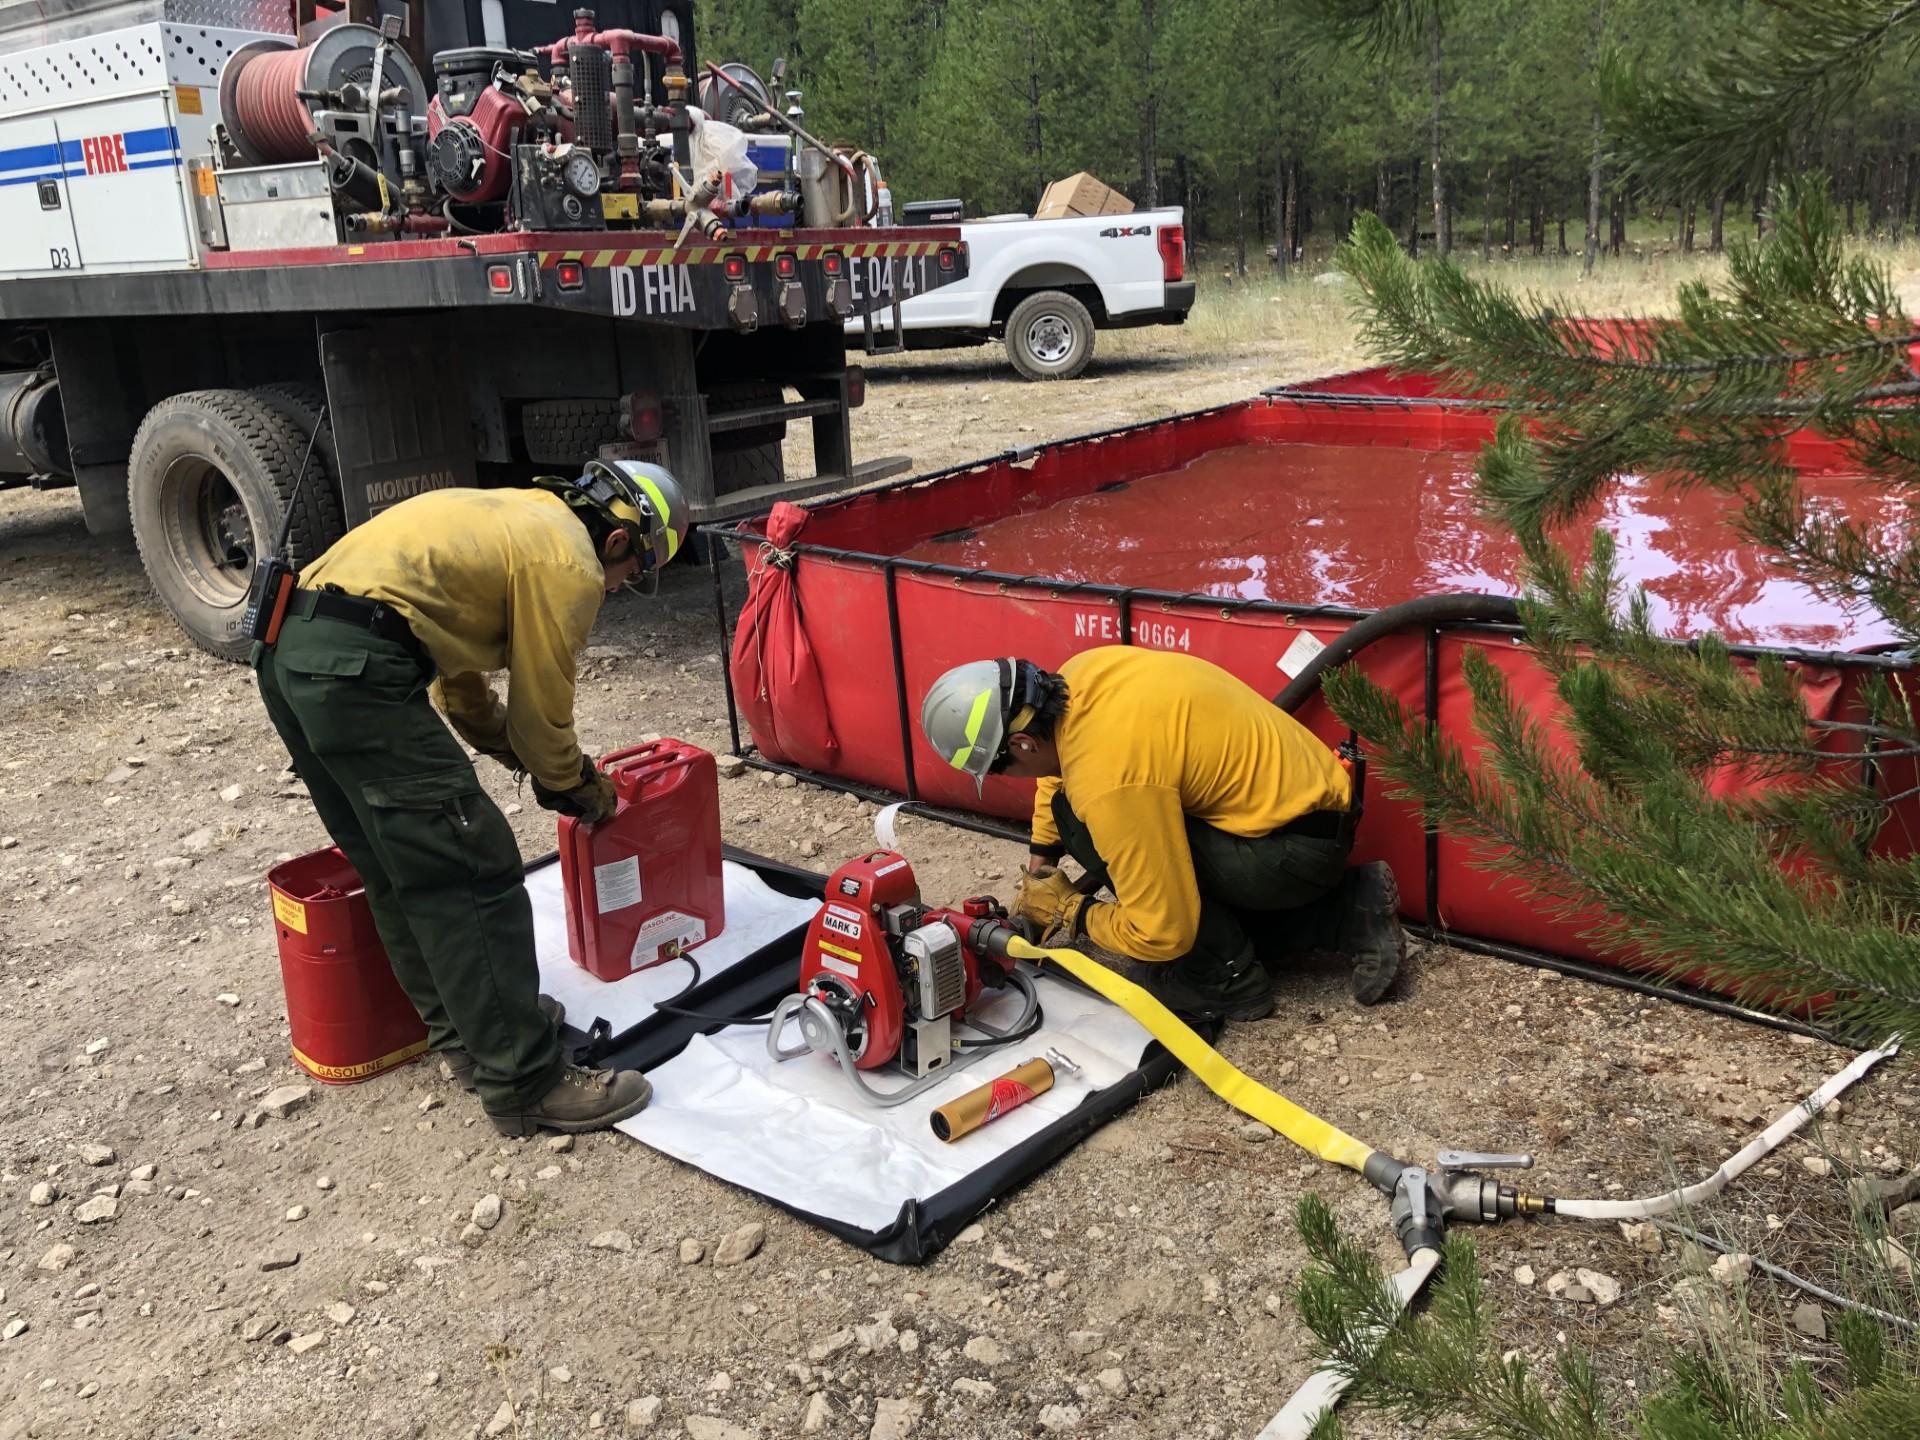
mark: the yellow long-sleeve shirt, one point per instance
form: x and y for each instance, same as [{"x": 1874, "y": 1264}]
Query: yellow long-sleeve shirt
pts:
[
  {"x": 488, "y": 580},
  {"x": 1150, "y": 738}
]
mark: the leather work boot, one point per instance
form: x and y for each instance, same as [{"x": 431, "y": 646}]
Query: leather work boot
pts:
[
  {"x": 457, "y": 1065},
  {"x": 1370, "y": 933},
  {"x": 1208, "y": 990},
  {"x": 580, "y": 1100}
]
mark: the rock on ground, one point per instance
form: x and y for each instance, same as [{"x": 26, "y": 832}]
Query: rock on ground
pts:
[
  {"x": 740, "y": 1245},
  {"x": 1810, "y": 1319},
  {"x": 644, "y": 1412},
  {"x": 893, "y": 1419},
  {"x": 611, "y": 1240},
  {"x": 712, "y": 1427}
]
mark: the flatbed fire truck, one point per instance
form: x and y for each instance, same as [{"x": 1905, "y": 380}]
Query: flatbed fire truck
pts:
[{"x": 243, "y": 239}]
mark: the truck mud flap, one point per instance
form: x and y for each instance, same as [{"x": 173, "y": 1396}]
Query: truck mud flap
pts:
[{"x": 400, "y": 417}]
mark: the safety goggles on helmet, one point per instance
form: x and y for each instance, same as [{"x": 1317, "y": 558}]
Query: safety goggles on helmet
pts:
[{"x": 645, "y": 501}]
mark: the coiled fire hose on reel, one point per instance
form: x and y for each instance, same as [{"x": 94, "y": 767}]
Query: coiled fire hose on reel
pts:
[{"x": 1422, "y": 1202}]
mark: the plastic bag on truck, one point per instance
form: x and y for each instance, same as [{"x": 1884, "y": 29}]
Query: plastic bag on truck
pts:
[
  {"x": 716, "y": 143},
  {"x": 776, "y": 679}
]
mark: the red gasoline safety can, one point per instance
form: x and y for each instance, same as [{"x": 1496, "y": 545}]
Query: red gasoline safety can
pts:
[
  {"x": 645, "y": 886},
  {"x": 349, "y": 1017}
]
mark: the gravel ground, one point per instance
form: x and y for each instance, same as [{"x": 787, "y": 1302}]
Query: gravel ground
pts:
[{"x": 1140, "y": 1288}]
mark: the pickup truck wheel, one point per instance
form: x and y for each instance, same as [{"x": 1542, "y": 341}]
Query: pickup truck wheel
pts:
[
  {"x": 207, "y": 486},
  {"x": 1050, "y": 336}
]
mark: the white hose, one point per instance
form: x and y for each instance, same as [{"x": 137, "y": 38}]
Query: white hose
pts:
[
  {"x": 1762, "y": 1144},
  {"x": 1326, "y": 1385}
]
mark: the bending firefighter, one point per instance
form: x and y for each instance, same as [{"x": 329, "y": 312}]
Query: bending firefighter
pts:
[
  {"x": 1201, "y": 805},
  {"x": 453, "y": 584}
]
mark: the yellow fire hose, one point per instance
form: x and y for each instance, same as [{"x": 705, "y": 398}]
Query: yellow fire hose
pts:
[{"x": 1232, "y": 1085}]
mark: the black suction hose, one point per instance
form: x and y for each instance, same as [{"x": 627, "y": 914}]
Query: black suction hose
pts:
[{"x": 1428, "y": 610}]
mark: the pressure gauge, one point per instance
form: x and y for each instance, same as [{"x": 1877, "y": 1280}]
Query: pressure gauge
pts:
[
  {"x": 581, "y": 175},
  {"x": 670, "y": 25}
]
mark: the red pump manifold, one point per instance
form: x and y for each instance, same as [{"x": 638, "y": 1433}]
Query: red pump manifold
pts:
[{"x": 645, "y": 886}]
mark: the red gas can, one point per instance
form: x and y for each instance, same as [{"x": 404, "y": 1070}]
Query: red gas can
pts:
[
  {"x": 349, "y": 1017},
  {"x": 645, "y": 886}
]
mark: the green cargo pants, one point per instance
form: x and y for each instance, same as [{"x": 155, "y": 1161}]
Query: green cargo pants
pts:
[
  {"x": 1281, "y": 871},
  {"x": 438, "y": 859}
]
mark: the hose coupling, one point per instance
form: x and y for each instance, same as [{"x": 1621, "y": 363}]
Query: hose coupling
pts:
[{"x": 1468, "y": 1195}]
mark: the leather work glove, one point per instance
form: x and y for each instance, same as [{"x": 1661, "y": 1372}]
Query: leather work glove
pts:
[
  {"x": 1048, "y": 899},
  {"x": 594, "y": 798}
]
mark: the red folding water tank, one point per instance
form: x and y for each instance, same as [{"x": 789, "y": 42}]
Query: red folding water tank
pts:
[
  {"x": 349, "y": 1017},
  {"x": 645, "y": 886}
]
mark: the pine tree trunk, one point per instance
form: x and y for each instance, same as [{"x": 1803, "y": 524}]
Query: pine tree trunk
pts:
[
  {"x": 1563, "y": 233},
  {"x": 1618, "y": 235},
  {"x": 1035, "y": 146},
  {"x": 1594, "y": 188},
  {"x": 1382, "y": 193},
  {"x": 1686, "y": 240},
  {"x": 1442, "y": 219},
  {"x": 1290, "y": 231},
  {"x": 1240, "y": 224},
  {"x": 1282, "y": 217},
  {"x": 1486, "y": 219},
  {"x": 1513, "y": 204},
  {"x": 1537, "y": 223},
  {"x": 1149, "y": 114},
  {"x": 1716, "y": 242}
]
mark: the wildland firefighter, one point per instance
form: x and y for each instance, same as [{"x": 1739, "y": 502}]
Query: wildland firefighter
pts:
[
  {"x": 426, "y": 598},
  {"x": 1202, "y": 806}
]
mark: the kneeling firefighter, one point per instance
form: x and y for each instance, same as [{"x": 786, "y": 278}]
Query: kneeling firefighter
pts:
[
  {"x": 1198, "y": 802},
  {"x": 437, "y": 591}
]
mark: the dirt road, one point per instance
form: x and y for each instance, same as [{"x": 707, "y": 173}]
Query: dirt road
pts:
[{"x": 1138, "y": 1289}]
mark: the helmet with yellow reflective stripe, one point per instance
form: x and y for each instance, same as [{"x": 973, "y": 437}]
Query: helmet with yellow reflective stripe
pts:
[
  {"x": 645, "y": 501},
  {"x": 969, "y": 712}
]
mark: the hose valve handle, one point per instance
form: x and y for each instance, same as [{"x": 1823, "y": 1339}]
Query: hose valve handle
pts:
[{"x": 1481, "y": 1160}]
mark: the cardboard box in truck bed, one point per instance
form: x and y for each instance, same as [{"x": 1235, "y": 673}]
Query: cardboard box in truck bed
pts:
[{"x": 1081, "y": 195}]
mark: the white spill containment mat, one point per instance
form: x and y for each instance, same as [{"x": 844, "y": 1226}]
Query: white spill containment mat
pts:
[
  {"x": 757, "y": 915},
  {"x": 795, "y": 1131}
]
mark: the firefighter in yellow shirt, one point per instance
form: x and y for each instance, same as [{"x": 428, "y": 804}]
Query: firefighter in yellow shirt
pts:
[
  {"x": 440, "y": 590},
  {"x": 1193, "y": 798}
]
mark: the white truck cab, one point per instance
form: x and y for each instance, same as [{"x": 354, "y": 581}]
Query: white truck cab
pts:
[{"x": 1044, "y": 287}]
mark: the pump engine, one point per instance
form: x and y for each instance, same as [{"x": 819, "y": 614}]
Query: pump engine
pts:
[{"x": 887, "y": 982}]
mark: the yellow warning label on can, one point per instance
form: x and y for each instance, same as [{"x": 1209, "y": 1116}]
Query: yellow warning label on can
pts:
[
  {"x": 289, "y": 912},
  {"x": 186, "y": 99},
  {"x": 365, "y": 1070},
  {"x": 831, "y": 949}
]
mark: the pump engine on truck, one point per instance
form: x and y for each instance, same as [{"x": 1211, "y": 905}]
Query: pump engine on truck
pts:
[{"x": 411, "y": 244}]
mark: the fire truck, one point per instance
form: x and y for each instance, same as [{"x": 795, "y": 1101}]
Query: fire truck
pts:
[{"x": 266, "y": 262}]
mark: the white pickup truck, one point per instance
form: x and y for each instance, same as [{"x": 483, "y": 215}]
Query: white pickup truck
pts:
[{"x": 1044, "y": 286}]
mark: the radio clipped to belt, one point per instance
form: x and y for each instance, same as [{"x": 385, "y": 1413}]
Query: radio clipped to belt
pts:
[
  {"x": 274, "y": 579},
  {"x": 1354, "y": 761}
]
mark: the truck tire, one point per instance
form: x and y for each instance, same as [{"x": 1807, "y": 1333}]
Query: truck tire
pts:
[
  {"x": 744, "y": 469},
  {"x": 1050, "y": 336},
  {"x": 207, "y": 487},
  {"x": 323, "y": 517},
  {"x": 570, "y": 432}
]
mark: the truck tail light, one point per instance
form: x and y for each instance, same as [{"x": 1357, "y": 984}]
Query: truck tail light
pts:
[
  {"x": 736, "y": 267},
  {"x": 500, "y": 279},
  {"x": 949, "y": 257},
  {"x": 785, "y": 266},
  {"x": 1173, "y": 252},
  {"x": 571, "y": 274},
  {"x": 856, "y": 387},
  {"x": 833, "y": 264},
  {"x": 644, "y": 418}
]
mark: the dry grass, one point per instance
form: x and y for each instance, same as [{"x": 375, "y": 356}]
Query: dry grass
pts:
[{"x": 1313, "y": 322}]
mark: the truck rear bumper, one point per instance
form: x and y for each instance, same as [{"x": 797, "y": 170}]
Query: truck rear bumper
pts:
[{"x": 1176, "y": 302}]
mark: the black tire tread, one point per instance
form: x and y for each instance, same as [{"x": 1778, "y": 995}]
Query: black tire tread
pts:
[
  {"x": 277, "y": 446},
  {"x": 322, "y": 516},
  {"x": 570, "y": 432},
  {"x": 1076, "y": 312}
]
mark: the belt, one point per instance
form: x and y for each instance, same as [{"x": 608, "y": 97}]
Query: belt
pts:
[
  {"x": 1319, "y": 824},
  {"x": 382, "y": 620}
]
